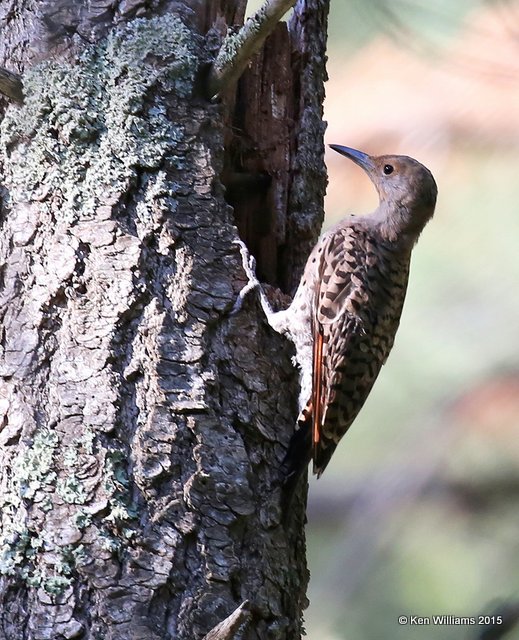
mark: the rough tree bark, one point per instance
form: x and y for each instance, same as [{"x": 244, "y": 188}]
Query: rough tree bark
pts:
[{"x": 142, "y": 426}]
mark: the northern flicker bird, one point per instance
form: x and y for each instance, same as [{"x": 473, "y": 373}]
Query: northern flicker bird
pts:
[{"x": 346, "y": 310}]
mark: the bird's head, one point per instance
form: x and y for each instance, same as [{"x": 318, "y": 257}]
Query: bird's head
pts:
[{"x": 406, "y": 189}]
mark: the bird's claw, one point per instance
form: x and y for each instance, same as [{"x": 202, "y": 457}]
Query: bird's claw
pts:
[
  {"x": 248, "y": 260},
  {"x": 249, "y": 266}
]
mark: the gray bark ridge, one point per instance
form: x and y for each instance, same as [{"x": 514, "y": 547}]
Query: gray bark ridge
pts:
[{"x": 141, "y": 428}]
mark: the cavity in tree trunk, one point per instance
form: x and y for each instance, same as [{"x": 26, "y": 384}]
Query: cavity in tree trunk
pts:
[{"x": 142, "y": 426}]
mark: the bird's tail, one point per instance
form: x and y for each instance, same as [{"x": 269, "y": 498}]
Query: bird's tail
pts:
[
  {"x": 297, "y": 457},
  {"x": 299, "y": 451}
]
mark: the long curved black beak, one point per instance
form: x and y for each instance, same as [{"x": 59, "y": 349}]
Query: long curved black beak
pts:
[{"x": 359, "y": 157}]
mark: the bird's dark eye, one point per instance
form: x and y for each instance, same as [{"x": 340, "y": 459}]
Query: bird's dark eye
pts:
[{"x": 388, "y": 168}]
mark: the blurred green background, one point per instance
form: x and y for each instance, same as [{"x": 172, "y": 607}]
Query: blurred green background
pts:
[{"x": 418, "y": 513}]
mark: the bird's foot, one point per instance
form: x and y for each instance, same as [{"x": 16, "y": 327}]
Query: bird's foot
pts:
[{"x": 249, "y": 266}]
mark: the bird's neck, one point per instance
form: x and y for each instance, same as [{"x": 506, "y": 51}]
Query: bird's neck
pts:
[{"x": 397, "y": 226}]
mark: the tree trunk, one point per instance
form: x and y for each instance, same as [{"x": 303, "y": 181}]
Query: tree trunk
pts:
[{"x": 142, "y": 426}]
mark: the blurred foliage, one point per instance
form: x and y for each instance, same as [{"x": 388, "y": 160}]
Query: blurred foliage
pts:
[{"x": 418, "y": 512}]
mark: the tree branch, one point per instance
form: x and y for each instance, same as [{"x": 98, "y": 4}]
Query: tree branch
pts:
[
  {"x": 238, "y": 48},
  {"x": 11, "y": 85},
  {"x": 228, "y": 628}
]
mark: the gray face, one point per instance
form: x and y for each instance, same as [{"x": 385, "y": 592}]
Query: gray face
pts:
[
  {"x": 406, "y": 188},
  {"x": 400, "y": 179}
]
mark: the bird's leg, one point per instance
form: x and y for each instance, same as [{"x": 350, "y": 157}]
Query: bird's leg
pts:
[{"x": 249, "y": 264}]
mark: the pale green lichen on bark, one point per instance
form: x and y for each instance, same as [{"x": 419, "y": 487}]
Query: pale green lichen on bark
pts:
[
  {"x": 31, "y": 473},
  {"x": 32, "y": 479},
  {"x": 86, "y": 126},
  {"x": 122, "y": 510},
  {"x": 33, "y": 467},
  {"x": 86, "y": 131}
]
